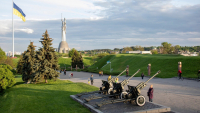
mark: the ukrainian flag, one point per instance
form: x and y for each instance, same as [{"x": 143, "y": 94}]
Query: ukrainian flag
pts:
[{"x": 17, "y": 11}]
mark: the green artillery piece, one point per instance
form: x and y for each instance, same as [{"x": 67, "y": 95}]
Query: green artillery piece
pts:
[
  {"x": 114, "y": 92},
  {"x": 119, "y": 87},
  {"x": 106, "y": 85},
  {"x": 132, "y": 95}
]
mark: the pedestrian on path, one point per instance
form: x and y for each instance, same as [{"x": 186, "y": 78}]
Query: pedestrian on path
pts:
[
  {"x": 91, "y": 79},
  {"x": 150, "y": 93},
  {"x": 65, "y": 71},
  {"x": 72, "y": 74},
  {"x": 179, "y": 74},
  {"x": 116, "y": 80},
  {"x": 142, "y": 75},
  {"x": 99, "y": 73},
  {"x": 69, "y": 75},
  {"x": 109, "y": 77}
]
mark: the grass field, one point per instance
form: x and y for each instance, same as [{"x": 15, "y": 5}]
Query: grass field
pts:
[
  {"x": 168, "y": 64},
  {"x": 53, "y": 97},
  {"x": 67, "y": 61}
]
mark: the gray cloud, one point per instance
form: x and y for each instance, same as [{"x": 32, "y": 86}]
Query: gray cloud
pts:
[{"x": 127, "y": 23}]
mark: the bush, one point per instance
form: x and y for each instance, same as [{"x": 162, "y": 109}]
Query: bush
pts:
[{"x": 6, "y": 77}]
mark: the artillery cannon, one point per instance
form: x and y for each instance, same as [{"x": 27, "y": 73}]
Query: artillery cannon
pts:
[
  {"x": 131, "y": 95},
  {"x": 119, "y": 87},
  {"x": 106, "y": 85},
  {"x": 114, "y": 92}
]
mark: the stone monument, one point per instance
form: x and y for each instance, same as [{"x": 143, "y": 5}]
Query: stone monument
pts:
[{"x": 63, "y": 46}]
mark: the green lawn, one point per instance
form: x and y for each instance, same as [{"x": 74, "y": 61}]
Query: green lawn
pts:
[
  {"x": 67, "y": 61},
  {"x": 53, "y": 97},
  {"x": 168, "y": 64}
]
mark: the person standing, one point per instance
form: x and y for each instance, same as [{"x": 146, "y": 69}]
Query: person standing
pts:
[
  {"x": 91, "y": 79},
  {"x": 65, "y": 71},
  {"x": 99, "y": 73},
  {"x": 150, "y": 93},
  {"x": 142, "y": 75},
  {"x": 116, "y": 80},
  {"x": 179, "y": 74},
  {"x": 72, "y": 74},
  {"x": 109, "y": 77}
]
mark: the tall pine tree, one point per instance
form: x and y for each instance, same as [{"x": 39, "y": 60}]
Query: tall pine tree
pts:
[
  {"x": 46, "y": 60},
  {"x": 20, "y": 64},
  {"x": 75, "y": 59},
  {"x": 29, "y": 61},
  {"x": 80, "y": 64}
]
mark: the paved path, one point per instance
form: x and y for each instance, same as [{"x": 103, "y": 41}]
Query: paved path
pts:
[{"x": 181, "y": 96}]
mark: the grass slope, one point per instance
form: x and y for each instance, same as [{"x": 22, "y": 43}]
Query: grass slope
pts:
[
  {"x": 67, "y": 61},
  {"x": 53, "y": 97},
  {"x": 168, "y": 64}
]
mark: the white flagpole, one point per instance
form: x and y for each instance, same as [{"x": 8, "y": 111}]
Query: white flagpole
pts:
[{"x": 13, "y": 29}]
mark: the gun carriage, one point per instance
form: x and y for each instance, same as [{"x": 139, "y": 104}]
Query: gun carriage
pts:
[
  {"x": 114, "y": 92},
  {"x": 106, "y": 85},
  {"x": 133, "y": 94}
]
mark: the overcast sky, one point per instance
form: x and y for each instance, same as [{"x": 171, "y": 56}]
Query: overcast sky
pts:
[{"x": 102, "y": 24}]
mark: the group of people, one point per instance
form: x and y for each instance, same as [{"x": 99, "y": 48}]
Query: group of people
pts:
[{"x": 100, "y": 73}]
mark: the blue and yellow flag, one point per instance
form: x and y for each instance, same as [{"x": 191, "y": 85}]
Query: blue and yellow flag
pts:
[{"x": 17, "y": 11}]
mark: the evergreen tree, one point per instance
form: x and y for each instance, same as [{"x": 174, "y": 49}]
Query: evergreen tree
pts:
[
  {"x": 75, "y": 59},
  {"x": 28, "y": 63},
  {"x": 20, "y": 64},
  {"x": 80, "y": 64},
  {"x": 46, "y": 60}
]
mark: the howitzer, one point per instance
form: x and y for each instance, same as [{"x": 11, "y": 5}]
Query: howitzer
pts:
[
  {"x": 114, "y": 92},
  {"x": 106, "y": 85},
  {"x": 119, "y": 87},
  {"x": 132, "y": 95}
]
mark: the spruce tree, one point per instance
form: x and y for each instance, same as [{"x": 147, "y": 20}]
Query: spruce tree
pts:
[
  {"x": 29, "y": 61},
  {"x": 46, "y": 60},
  {"x": 80, "y": 64},
  {"x": 75, "y": 59},
  {"x": 20, "y": 64}
]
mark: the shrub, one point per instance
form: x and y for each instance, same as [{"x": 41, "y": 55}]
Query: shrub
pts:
[{"x": 6, "y": 77}]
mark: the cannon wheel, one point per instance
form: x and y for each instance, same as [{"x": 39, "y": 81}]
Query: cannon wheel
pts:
[
  {"x": 123, "y": 93},
  {"x": 140, "y": 100},
  {"x": 111, "y": 89}
]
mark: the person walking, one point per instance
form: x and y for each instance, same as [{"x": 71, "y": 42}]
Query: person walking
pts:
[
  {"x": 69, "y": 75},
  {"x": 91, "y": 80},
  {"x": 72, "y": 74},
  {"x": 99, "y": 73},
  {"x": 142, "y": 75},
  {"x": 150, "y": 93},
  {"x": 116, "y": 80},
  {"x": 179, "y": 74},
  {"x": 109, "y": 77},
  {"x": 65, "y": 71}
]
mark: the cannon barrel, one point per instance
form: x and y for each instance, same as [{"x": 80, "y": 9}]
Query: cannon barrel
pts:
[
  {"x": 113, "y": 79},
  {"x": 134, "y": 74},
  {"x": 125, "y": 82},
  {"x": 143, "y": 84}
]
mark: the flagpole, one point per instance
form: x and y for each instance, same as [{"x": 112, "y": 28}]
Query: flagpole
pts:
[{"x": 13, "y": 29}]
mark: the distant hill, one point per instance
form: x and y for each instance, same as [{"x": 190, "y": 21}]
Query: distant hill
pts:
[{"x": 168, "y": 64}]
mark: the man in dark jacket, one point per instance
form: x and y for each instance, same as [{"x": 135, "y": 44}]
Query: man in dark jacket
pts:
[{"x": 150, "y": 93}]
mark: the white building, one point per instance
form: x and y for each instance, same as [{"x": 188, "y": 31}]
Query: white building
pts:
[{"x": 139, "y": 52}]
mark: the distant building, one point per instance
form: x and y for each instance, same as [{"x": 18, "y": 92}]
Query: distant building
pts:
[{"x": 139, "y": 52}]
